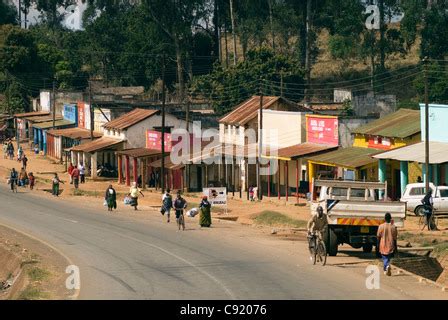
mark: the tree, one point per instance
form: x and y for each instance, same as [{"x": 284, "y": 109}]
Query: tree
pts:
[
  {"x": 7, "y": 13},
  {"x": 226, "y": 87}
]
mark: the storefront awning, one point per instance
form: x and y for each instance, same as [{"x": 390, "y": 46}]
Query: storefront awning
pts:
[
  {"x": 139, "y": 152},
  {"x": 168, "y": 164},
  {"x": 97, "y": 145},
  {"x": 350, "y": 158},
  {"x": 74, "y": 133},
  {"x": 438, "y": 153},
  {"x": 31, "y": 114},
  {"x": 49, "y": 124},
  {"x": 298, "y": 150}
]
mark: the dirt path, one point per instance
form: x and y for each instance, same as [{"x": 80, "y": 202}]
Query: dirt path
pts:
[{"x": 41, "y": 268}]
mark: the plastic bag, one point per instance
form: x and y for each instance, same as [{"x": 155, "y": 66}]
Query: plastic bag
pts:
[
  {"x": 105, "y": 203},
  {"x": 192, "y": 213},
  {"x": 127, "y": 200}
]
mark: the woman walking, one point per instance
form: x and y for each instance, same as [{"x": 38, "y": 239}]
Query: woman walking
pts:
[
  {"x": 205, "y": 218},
  {"x": 111, "y": 198},
  {"x": 56, "y": 181},
  {"x": 134, "y": 192}
]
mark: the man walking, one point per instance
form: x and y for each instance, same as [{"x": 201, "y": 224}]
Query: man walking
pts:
[
  {"x": 75, "y": 177},
  {"x": 387, "y": 239},
  {"x": 82, "y": 172}
]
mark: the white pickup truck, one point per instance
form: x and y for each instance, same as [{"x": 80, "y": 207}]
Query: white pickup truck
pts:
[
  {"x": 414, "y": 193},
  {"x": 354, "y": 211}
]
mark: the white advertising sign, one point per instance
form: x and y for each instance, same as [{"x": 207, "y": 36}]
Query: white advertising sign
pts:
[{"x": 216, "y": 196}]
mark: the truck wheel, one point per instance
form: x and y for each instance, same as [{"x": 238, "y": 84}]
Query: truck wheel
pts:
[
  {"x": 332, "y": 243},
  {"x": 419, "y": 211},
  {"x": 367, "y": 248}
]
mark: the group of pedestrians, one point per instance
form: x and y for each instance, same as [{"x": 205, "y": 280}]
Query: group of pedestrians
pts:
[
  {"x": 180, "y": 204},
  {"x": 21, "y": 178},
  {"x": 77, "y": 174}
]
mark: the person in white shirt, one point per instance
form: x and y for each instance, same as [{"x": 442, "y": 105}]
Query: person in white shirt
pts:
[{"x": 82, "y": 172}]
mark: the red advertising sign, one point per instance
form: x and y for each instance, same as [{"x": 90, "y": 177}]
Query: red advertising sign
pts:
[
  {"x": 81, "y": 115},
  {"x": 380, "y": 143},
  {"x": 322, "y": 129},
  {"x": 154, "y": 140}
]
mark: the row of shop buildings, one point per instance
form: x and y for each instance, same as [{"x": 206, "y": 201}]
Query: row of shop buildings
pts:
[{"x": 298, "y": 144}]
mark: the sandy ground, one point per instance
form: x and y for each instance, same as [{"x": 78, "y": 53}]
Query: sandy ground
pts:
[{"x": 43, "y": 268}]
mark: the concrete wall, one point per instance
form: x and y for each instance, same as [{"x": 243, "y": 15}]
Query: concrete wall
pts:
[
  {"x": 283, "y": 129},
  {"x": 346, "y": 125},
  {"x": 369, "y": 104},
  {"x": 135, "y": 135},
  {"x": 438, "y": 113}
]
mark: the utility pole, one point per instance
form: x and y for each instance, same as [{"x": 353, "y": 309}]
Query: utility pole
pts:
[
  {"x": 308, "y": 51},
  {"x": 425, "y": 61},
  {"x": 260, "y": 144},
  {"x": 232, "y": 18},
  {"x": 53, "y": 104},
  {"x": 187, "y": 165},
  {"x": 92, "y": 122},
  {"x": 162, "y": 173}
]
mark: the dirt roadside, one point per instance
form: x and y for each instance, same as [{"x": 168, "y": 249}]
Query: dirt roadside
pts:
[{"x": 31, "y": 269}]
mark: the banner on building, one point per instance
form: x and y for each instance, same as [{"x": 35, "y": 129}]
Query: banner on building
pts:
[
  {"x": 70, "y": 113},
  {"x": 81, "y": 115},
  {"x": 154, "y": 140},
  {"x": 45, "y": 101},
  {"x": 216, "y": 196},
  {"x": 87, "y": 117},
  {"x": 322, "y": 129}
]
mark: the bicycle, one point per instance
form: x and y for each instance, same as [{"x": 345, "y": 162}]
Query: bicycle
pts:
[
  {"x": 318, "y": 251},
  {"x": 423, "y": 222}
]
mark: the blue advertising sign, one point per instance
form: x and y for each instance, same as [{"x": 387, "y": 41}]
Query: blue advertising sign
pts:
[{"x": 71, "y": 113}]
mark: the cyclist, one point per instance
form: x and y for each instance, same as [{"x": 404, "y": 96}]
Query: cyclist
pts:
[
  {"x": 179, "y": 206},
  {"x": 13, "y": 179},
  {"x": 428, "y": 204},
  {"x": 318, "y": 223}
]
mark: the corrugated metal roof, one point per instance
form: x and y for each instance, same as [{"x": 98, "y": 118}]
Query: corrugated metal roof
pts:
[
  {"x": 31, "y": 114},
  {"x": 168, "y": 164},
  {"x": 351, "y": 158},
  {"x": 438, "y": 153},
  {"x": 74, "y": 133},
  {"x": 49, "y": 124},
  {"x": 139, "y": 152},
  {"x": 302, "y": 149},
  {"x": 45, "y": 118},
  {"x": 221, "y": 150},
  {"x": 248, "y": 110},
  {"x": 97, "y": 145},
  {"x": 401, "y": 124},
  {"x": 129, "y": 119}
]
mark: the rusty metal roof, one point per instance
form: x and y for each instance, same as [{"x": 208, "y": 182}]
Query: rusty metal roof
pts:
[
  {"x": 129, "y": 119},
  {"x": 351, "y": 158},
  {"x": 139, "y": 152},
  {"x": 303, "y": 149},
  {"x": 97, "y": 145},
  {"x": 248, "y": 110},
  {"x": 168, "y": 164},
  {"x": 42, "y": 118},
  {"x": 401, "y": 124},
  {"x": 74, "y": 133},
  {"x": 49, "y": 124},
  {"x": 31, "y": 114}
]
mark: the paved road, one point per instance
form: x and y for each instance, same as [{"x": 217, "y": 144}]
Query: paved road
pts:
[{"x": 142, "y": 257}]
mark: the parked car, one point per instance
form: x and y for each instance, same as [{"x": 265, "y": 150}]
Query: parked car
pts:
[{"x": 415, "y": 192}]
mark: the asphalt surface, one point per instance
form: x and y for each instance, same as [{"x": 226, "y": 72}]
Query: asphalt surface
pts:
[{"x": 140, "y": 256}]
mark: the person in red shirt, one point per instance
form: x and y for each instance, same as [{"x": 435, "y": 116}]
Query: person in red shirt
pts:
[
  {"x": 387, "y": 239},
  {"x": 69, "y": 171},
  {"x": 75, "y": 176}
]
